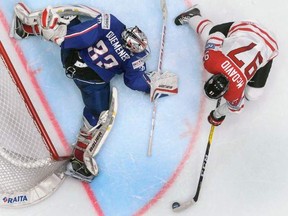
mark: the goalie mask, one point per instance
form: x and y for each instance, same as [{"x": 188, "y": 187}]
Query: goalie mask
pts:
[
  {"x": 216, "y": 86},
  {"x": 135, "y": 40}
]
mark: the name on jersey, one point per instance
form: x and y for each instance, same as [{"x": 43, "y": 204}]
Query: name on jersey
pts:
[
  {"x": 117, "y": 46},
  {"x": 232, "y": 72}
]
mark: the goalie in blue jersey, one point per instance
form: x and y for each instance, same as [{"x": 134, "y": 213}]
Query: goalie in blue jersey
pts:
[{"x": 93, "y": 51}]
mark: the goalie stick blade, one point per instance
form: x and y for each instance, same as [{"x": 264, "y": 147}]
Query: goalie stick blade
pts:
[{"x": 177, "y": 207}]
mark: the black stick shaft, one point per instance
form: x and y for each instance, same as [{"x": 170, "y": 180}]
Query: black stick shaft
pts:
[
  {"x": 195, "y": 198},
  {"x": 176, "y": 206}
]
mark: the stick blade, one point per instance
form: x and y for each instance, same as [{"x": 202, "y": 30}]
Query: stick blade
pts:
[{"x": 177, "y": 207}]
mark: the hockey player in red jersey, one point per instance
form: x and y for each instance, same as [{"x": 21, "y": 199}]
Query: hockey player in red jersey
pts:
[{"x": 239, "y": 56}]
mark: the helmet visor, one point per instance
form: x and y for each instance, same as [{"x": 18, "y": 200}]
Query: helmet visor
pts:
[{"x": 135, "y": 40}]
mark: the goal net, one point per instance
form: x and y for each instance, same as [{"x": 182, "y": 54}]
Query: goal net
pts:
[{"x": 30, "y": 168}]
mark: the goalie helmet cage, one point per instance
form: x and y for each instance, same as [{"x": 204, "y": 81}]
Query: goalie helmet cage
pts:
[{"x": 30, "y": 168}]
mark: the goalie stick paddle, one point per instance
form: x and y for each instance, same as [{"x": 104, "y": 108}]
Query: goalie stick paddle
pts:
[
  {"x": 176, "y": 206},
  {"x": 160, "y": 60}
]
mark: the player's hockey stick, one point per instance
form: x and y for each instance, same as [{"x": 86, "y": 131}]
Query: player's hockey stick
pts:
[
  {"x": 176, "y": 206},
  {"x": 160, "y": 60}
]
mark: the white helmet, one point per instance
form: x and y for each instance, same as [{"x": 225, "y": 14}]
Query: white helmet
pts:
[{"x": 135, "y": 40}]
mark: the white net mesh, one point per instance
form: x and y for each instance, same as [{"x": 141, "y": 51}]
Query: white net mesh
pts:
[{"x": 25, "y": 159}]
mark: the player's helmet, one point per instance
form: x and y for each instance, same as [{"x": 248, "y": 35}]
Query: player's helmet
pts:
[
  {"x": 216, "y": 86},
  {"x": 135, "y": 40}
]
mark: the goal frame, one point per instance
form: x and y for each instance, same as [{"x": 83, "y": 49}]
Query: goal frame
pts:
[
  {"x": 30, "y": 106},
  {"x": 48, "y": 185}
]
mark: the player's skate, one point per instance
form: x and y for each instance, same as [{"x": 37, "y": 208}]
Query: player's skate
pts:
[
  {"x": 78, "y": 170},
  {"x": 90, "y": 140},
  {"x": 185, "y": 16},
  {"x": 22, "y": 24},
  {"x": 21, "y": 12},
  {"x": 18, "y": 32}
]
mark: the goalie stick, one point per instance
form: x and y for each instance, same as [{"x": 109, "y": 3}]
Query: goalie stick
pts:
[
  {"x": 160, "y": 60},
  {"x": 176, "y": 206}
]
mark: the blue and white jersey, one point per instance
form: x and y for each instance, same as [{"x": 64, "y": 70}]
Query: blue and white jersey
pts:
[{"x": 100, "y": 46}]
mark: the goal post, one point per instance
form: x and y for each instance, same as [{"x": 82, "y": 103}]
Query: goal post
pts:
[{"x": 30, "y": 167}]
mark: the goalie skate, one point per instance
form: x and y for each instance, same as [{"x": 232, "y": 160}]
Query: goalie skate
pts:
[
  {"x": 17, "y": 31},
  {"x": 21, "y": 16},
  {"x": 78, "y": 170},
  {"x": 83, "y": 166}
]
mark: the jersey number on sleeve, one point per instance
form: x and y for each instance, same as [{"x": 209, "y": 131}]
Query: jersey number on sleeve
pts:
[
  {"x": 252, "y": 67},
  {"x": 101, "y": 50}
]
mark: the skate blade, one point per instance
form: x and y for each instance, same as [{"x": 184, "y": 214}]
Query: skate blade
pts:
[{"x": 79, "y": 177}]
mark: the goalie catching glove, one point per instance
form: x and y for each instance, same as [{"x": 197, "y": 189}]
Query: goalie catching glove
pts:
[{"x": 162, "y": 84}]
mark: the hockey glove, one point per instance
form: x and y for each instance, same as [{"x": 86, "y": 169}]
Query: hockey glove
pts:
[
  {"x": 52, "y": 26},
  {"x": 215, "y": 121},
  {"x": 162, "y": 84}
]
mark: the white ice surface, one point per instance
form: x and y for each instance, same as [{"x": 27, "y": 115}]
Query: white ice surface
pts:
[{"x": 246, "y": 174}]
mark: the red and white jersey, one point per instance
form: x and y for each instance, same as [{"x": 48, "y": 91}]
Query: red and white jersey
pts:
[{"x": 247, "y": 47}]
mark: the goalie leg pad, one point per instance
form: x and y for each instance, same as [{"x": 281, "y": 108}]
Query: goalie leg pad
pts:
[
  {"x": 76, "y": 167},
  {"x": 102, "y": 130},
  {"x": 90, "y": 140},
  {"x": 23, "y": 13},
  {"x": 31, "y": 18}
]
